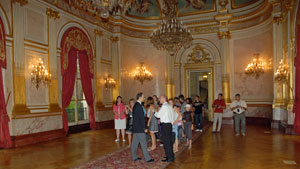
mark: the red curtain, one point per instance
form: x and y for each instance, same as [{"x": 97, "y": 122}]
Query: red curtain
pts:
[
  {"x": 5, "y": 141},
  {"x": 68, "y": 83},
  {"x": 86, "y": 80},
  {"x": 297, "y": 86}
]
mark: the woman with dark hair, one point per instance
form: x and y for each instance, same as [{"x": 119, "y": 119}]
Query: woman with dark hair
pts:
[
  {"x": 129, "y": 110},
  {"x": 152, "y": 122},
  {"x": 120, "y": 118}
]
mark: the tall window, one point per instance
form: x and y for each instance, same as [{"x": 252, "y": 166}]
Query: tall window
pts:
[{"x": 77, "y": 111}]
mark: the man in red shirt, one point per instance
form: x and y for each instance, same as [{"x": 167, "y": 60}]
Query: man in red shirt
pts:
[{"x": 219, "y": 105}]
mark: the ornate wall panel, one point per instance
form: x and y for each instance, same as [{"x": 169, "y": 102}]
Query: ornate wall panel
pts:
[
  {"x": 249, "y": 87},
  {"x": 35, "y": 25}
]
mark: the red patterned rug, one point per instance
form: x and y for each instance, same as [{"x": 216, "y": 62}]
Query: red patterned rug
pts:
[{"x": 122, "y": 158}]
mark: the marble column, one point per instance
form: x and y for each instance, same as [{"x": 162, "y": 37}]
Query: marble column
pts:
[
  {"x": 18, "y": 61},
  {"x": 52, "y": 16}
]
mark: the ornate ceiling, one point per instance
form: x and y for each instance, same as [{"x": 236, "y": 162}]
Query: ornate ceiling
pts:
[
  {"x": 151, "y": 9},
  {"x": 201, "y": 16}
]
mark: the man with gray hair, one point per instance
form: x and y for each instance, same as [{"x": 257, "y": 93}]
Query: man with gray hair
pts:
[{"x": 166, "y": 115}]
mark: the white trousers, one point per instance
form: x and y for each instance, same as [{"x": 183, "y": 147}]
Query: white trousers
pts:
[{"x": 217, "y": 119}]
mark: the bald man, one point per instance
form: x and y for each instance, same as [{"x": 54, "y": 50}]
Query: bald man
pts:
[{"x": 166, "y": 115}]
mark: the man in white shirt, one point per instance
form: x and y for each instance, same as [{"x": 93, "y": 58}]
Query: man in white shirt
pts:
[
  {"x": 239, "y": 108},
  {"x": 166, "y": 115}
]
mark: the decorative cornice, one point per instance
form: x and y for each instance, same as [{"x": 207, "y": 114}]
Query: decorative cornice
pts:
[
  {"x": 52, "y": 13},
  {"x": 97, "y": 32},
  {"x": 21, "y": 2},
  {"x": 224, "y": 35}
]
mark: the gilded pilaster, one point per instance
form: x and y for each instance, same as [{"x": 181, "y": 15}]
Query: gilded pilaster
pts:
[
  {"x": 19, "y": 60},
  {"x": 115, "y": 64},
  {"x": 224, "y": 35},
  {"x": 99, "y": 86},
  {"x": 170, "y": 86},
  {"x": 52, "y": 16}
]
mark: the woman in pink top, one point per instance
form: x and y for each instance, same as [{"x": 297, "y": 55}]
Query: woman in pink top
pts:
[{"x": 120, "y": 118}]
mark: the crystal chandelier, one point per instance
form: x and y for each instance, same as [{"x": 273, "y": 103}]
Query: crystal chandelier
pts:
[
  {"x": 281, "y": 74},
  {"x": 256, "y": 67},
  {"x": 171, "y": 34},
  {"x": 39, "y": 74},
  {"x": 109, "y": 82},
  {"x": 104, "y": 8},
  {"x": 142, "y": 74}
]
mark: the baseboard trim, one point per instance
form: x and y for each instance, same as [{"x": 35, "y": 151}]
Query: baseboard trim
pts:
[
  {"x": 105, "y": 124},
  {"x": 34, "y": 138}
]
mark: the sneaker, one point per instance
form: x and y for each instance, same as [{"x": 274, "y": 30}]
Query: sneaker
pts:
[
  {"x": 237, "y": 134},
  {"x": 161, "y": 145},
  {"x": 243, "y": 134},
  {"x": 124, "y": 140},
  {"x": 200, "y": 130},
  {"x": 197, "y": 130},
  {"x": 117, "y": 140}
]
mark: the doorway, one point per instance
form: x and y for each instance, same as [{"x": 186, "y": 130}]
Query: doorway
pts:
[{"x": 200, "y": 83}]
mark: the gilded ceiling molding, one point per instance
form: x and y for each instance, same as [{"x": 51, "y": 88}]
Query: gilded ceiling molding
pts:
[
  {"x": 52, "y": 13},
  {"x": 21, "y": 2},
  {"x": 224, "y": 35}
]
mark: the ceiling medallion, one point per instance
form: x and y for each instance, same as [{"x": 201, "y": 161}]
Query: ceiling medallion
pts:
[
  {"x": 171, "y": 35},
  {"x": 199, "y": 55},
  {"x": 104, "y": 8}
]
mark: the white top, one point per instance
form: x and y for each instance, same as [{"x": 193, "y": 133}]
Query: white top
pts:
[
  {"x": 238, "y": 103},
  {"x": 166, "y": 113}
]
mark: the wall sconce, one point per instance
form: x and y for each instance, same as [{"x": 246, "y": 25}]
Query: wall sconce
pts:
[
  {"x": 142, "y": 74},
  {"x": 282, "y": 71},
  {"x": 109, "y": 82},
  {"x": 255, "y": 67},
  {"x": 39, "y": 75}
]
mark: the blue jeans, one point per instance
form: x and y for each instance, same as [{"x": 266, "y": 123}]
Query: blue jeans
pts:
[{"x": 199, "y": 121}]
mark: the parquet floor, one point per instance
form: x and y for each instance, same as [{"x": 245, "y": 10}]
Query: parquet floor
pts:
[
  {"x": 258, "y": 150},
  {"x": 211, "y": 151}
]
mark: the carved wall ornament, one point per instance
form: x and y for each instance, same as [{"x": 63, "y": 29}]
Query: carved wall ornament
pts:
[
  {"x": 52, "y": 13},
  {"x": 21, "y": 2},
  {"x": 223, "y": 4},
  {"x": 199, "y": 55},
  {"x": 114, "y": 38},
  {"x": 278, "y": 19},
  {"x": 97, "y": 32},
  {"x": 224, "y": 35},
  {"x": 76, "y": 38}
]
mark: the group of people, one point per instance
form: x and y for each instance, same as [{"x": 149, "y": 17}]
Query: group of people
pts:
[{"x": 168, "y": 120}]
